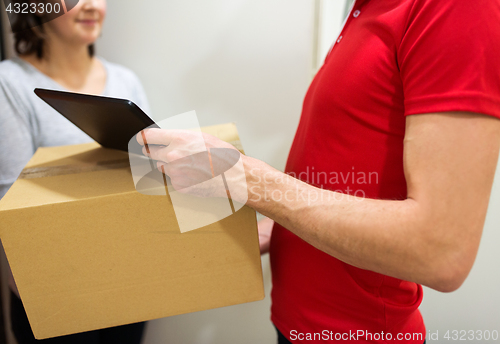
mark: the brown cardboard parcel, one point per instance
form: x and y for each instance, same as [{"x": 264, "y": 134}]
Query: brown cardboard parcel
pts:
[{"x": 88, "y": 251}]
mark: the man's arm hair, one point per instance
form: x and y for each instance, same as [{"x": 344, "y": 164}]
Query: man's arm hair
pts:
[{"x": 430, "y": 238}]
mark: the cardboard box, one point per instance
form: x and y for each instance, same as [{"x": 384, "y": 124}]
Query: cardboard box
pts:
[{"x": 88, "y": 251}]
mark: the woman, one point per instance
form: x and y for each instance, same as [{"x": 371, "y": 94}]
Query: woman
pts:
[{"x": 56, "y": 55}]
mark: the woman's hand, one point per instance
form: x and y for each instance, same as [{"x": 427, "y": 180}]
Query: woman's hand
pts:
[{"x": 265, "y": 230}]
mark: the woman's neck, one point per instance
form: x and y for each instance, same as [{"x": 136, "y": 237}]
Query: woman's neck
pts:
[{"x": 70, "y": 66}]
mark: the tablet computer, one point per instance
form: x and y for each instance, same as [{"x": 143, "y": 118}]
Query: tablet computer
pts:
[{"x": 112, "y": 122}]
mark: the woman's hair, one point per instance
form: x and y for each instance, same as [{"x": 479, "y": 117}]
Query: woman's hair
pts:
[{"x": 29, "y": 35}]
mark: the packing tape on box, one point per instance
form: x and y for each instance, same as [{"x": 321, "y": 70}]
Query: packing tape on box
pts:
[{"x": 52, "y": 171}]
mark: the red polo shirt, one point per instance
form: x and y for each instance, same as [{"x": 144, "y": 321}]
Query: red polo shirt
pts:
[{"x": 393, "y": 58}]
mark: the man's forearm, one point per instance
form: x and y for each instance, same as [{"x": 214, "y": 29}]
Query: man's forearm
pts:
[
  {"x": 389, "y": 237},
  {"x": 431, "y": 238}
]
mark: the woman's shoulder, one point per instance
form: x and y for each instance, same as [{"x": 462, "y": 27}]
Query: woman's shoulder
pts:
[
  {"x": 124, "y": 83},
  {"x": 21, "y": 77},
  {"x": 18, "y": 80},
  {"x": 13, "y": 69}
]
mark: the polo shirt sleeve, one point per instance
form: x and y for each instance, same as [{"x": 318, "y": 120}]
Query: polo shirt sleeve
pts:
[{"x": 449, "y": 57}]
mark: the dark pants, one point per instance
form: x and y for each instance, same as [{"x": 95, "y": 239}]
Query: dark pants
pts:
[
  {"x": 127, "y": 334},
  {"x": 283, "y": 340}
]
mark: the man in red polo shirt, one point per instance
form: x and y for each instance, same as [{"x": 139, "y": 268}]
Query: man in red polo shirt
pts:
[{"x": 389, "y": 176}]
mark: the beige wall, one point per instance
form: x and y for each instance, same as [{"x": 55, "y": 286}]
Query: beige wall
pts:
[{"x": 9, "y": 49}]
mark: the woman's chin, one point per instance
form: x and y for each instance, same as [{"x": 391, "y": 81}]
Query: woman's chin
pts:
[
  {"x": 89, "y": 31},
  {"x": 89, "y": 37}
]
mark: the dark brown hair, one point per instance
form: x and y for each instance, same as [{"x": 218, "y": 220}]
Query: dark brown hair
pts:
[{"x": 29, "y": 35}]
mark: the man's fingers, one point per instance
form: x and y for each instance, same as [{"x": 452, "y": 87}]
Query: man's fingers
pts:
[
  {"x": 156, "y": 137},
  {"x": 156, "y": 152},
  {"x": 162, "y": 167}
]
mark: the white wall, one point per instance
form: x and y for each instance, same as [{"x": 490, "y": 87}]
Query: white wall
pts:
[
  {"x": 243, "y": 61},
  {"x": 230, "y": 60},
  {"x": 329, "y": 17}
]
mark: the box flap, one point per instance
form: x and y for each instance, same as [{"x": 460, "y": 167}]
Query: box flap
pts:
[
  {"x": 87, "y": 251},
  {"x": 71, "y": 173}
]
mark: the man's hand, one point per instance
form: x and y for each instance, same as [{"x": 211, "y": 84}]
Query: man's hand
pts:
[{"x": 192, "y": 160}]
